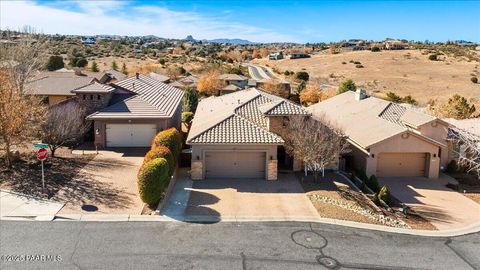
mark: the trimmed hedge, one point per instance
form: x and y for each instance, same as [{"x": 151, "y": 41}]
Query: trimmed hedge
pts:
[
  {"x": 161, "y": 152},
  {"x": 171, "y": 139},
  {"x": 152, "y": 179}
]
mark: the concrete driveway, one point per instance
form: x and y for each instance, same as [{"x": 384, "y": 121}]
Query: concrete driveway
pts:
[
  {"x": 441, "y": 206},
  {"x": 250, "y": 198},
  {"x": 114, "y": 174}
]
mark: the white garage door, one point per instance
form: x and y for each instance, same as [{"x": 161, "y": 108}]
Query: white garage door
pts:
[
  {"x": 235, "y": 164},
  {"x": 401, "y": 164},
  {"x": 130, "y": 135}
]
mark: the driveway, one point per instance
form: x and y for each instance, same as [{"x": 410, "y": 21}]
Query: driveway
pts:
[
  {"x": 249, "y": 198},
  {"x": 113, "y": 172},
  {"x": 441, "y": 206}
]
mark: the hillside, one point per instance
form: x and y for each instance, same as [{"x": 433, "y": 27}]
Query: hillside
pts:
[{"x": 405, "y": 72}]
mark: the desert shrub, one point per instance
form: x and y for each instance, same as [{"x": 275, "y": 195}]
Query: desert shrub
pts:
[
  {"x": 55, "y": 62},
  {"x": 359, "y": 66},
  {"x": 152, "y": 179},
  {"x": 457, "y": 107},
  {"x": 161, "y": 61},
  {"x": 433, "y": 57},
  {"x": 161, "y": 152},
  {"x": 344, "y": 63},
  {"x": 384, "y": 195},
  {"x": 286, "y": 73},
  {"x": 82, "y": 62},
  {"x": 94, "y": 67},
  {"x": 373, "y": 183},
  {"x": 391, "y": 96},
  {"x": 452, "y": 167},
  {"x": 409, "y": 99},
  {"x": 187, "y": 117},
  {"x": 375, "y": 49},
  {"x": 302, "y": 76},
  {"x": 474, "y": 79},
  {"x": 171, "y": 139},
  {"x": 357, "y": 62},
  {"x": 347, "y": 85}
]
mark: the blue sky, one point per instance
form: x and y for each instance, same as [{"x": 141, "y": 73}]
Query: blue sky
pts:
[{"x": 261, "y": 21}]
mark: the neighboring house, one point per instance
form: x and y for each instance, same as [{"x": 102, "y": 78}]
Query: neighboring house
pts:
[
  {"x": 110, "y": 76},
  {"x": 186, "y": 82},
  {"x": 387, "y": 139},
  {"x": 395, "y": 45},
  {"x": 87, "y": 40},
  {"x": 56, "y": 87},
  {"x": 275, "y": 56},
  {"x": 234, "y": 79},
  {"x": 237, "y": 136},
  {"x": 139, "y": 107},
  {"x": 283, "y": 86},
  {"x": 299, "y": 55},
  {"x": 159, "y": 77}
]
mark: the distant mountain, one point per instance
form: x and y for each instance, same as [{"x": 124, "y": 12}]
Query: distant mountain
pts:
[
  {"x": 190, "y": 38},
  {"x": 235, "y": 41}
]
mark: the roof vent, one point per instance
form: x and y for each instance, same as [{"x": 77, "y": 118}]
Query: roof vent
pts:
[
  {"x": 137, "y": 75},
  {"x": 133, "y": 85},
  {"x": 360, "y": 94},
  {"x": 238, "y": 101}
]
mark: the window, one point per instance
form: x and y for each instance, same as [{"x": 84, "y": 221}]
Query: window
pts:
[
  {"x": 84, "y": 97},
  {"x": 99, "y": 97},
  {"x": 91, "y": 97}
]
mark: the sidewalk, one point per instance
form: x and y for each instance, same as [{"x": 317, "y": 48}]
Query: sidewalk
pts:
[{"x": 15, "y": 205}]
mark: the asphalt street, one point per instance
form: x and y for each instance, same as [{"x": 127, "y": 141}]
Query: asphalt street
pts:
[{"x": 248, "y": 245}]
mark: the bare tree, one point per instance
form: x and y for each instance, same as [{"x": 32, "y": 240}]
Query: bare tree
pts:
[
  {"x": 468, "y": 153},
  {"x": 65, "y": 123},
  {"x": 317, "y": 142}
]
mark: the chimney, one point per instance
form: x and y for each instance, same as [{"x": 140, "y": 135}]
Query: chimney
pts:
[
  {"x": 137, "y": 75},
  {"x": 360, "y": 94}
]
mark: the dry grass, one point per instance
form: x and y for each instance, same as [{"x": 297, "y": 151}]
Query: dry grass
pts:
[{"x": 405, "y": 72}]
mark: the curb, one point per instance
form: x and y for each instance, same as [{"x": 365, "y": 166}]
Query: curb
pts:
[{"x": 473, "y": 228}]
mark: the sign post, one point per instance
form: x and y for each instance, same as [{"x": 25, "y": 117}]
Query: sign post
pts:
[{"x": 42, "y": 154}]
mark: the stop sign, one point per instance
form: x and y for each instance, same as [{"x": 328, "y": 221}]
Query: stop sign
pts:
[{"x": 42, "y": 154}]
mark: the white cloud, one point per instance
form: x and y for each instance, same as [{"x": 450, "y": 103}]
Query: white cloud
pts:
[{"x": 112, "y": 17}]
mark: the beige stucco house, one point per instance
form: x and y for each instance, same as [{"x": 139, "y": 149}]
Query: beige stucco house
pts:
[
  {"x": 387, "y": 139},
  {"x": 237, "y": 135},
  {"x": 138, "y": 107}
]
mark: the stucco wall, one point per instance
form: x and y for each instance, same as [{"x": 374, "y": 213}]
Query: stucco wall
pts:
[
  {"x": 438, "y": 132},
  {"x": 198, "y": 156},
  {"x": 405, "y": 143}
]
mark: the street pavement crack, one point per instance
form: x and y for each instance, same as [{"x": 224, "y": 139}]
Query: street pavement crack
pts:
[
  {"x": 458, "y": 253},
  {"x": 76, "y": 246},
  {"x": 244, "y": 263}
]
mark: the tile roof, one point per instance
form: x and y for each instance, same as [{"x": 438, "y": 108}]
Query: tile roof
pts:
[
  {"x": 232, "y": 77},
  {"x": 231, "y": 87},
  {"x": 56, "y": 83},
  {"x": 94, "y": 87},
  {"x": 234, "y": 119},
  {"x": 368, "y": 121},
  {"x": 153, "y": 99},
  {"x": 159, "y": 77}
]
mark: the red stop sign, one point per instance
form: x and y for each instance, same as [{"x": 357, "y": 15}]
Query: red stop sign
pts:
[{"x": 42, "y": 154}]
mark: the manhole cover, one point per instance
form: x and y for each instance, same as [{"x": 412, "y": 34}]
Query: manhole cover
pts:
[
  {"x": 328, "y": 262},
  {"x": 309, "y": 239},
  {"x": 89, "y": 208}
]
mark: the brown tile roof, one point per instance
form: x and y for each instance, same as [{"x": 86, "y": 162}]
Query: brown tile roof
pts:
[
  {"x": 56, "y": 84},
  {"x": 234, "y": 119},
  {"x": 94, "y": 87},
  {"x": 153, "y": 99}
]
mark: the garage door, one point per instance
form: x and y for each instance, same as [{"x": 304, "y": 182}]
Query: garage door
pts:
[
  {"x": 130, "y": 135},
  {"x": 401, "y": 164},
  {"x": 235, "y": 164}
]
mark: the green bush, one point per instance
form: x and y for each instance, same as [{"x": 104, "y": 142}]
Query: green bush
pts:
[
  {"x": 171, "y": 139},
  {"x": 474, "y": 79},
  {"x": 373, "y": 183},
  {"x": 55, "y": 62},
  {"x": 161, "y": 152},
  {"x": 375, "y": 199},
  {"x": 302, "y": 76},
  {"x": 362, "y": 175},
  {"x": 452, "y": 167},
  {"x": 433, "y": 57},
  {"x": 391, "y": 96},
  {"x": 152, "y": 179},
  {"x": 409, "y": 99},
  {"x": 347, "y": 85},
  {"x": 187, "y": 117},
  {"x": 375, "y": 49},
  {"x": 384, "y": 194},
  {"x": 81, "y": 62}
]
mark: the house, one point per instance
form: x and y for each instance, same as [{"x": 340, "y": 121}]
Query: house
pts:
[
  {"x": 299, "y": 55},
  {"x": 387, "y": 139},
  {"x": 395, "y": 45},
  {"x": 110, "y": 76},
  {"x": 88, "y": 40},
  {"x": 93, "y": 96},
  {"x": 186, "y": 82},
  {"x": 237, "y": 135},
  {"x": 275, "y": 56},
  {"x": 138, "y": 108},
  {"x": 283, "y": 86},
  {"x": 234, "y": 79},
  {"x": 159, "y": 77},
  {"x": 55, "y": 87}
]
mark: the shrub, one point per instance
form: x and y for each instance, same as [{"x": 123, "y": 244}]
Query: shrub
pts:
[
  {"x": 474, "y": 79},
  {"x": 391, "y": 96},
  {"x": 375, "y": 49},
  {"x": 161, "y": 152},
  {"x": 409, "y": 99},
  {"x": 373, "y": 183},
  {"x": 347, "y": 85},
  {"x": 452, "y": 167},
  {"x": 161, "y": 61},
  {"x": 81, "y": 62},
  {"x": 286, "y": 73},
  {"x": 362, "y": 175},
  {"x": 359, "y": 66},
  {"x": 171, "y": 139},
  {"x": 152, "y": 179},
  {"x": 55, "y": 62},
  {"x": 375, "y": 199},
  {"x": 357, "y": 63},
  {"x": 344, "y": 63},
  {"x": 433, "y": 57},
  {"x": 302, "y": 76},
  {"x": 384, "y": 195},
  {"x": 187, "y": 118}
]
